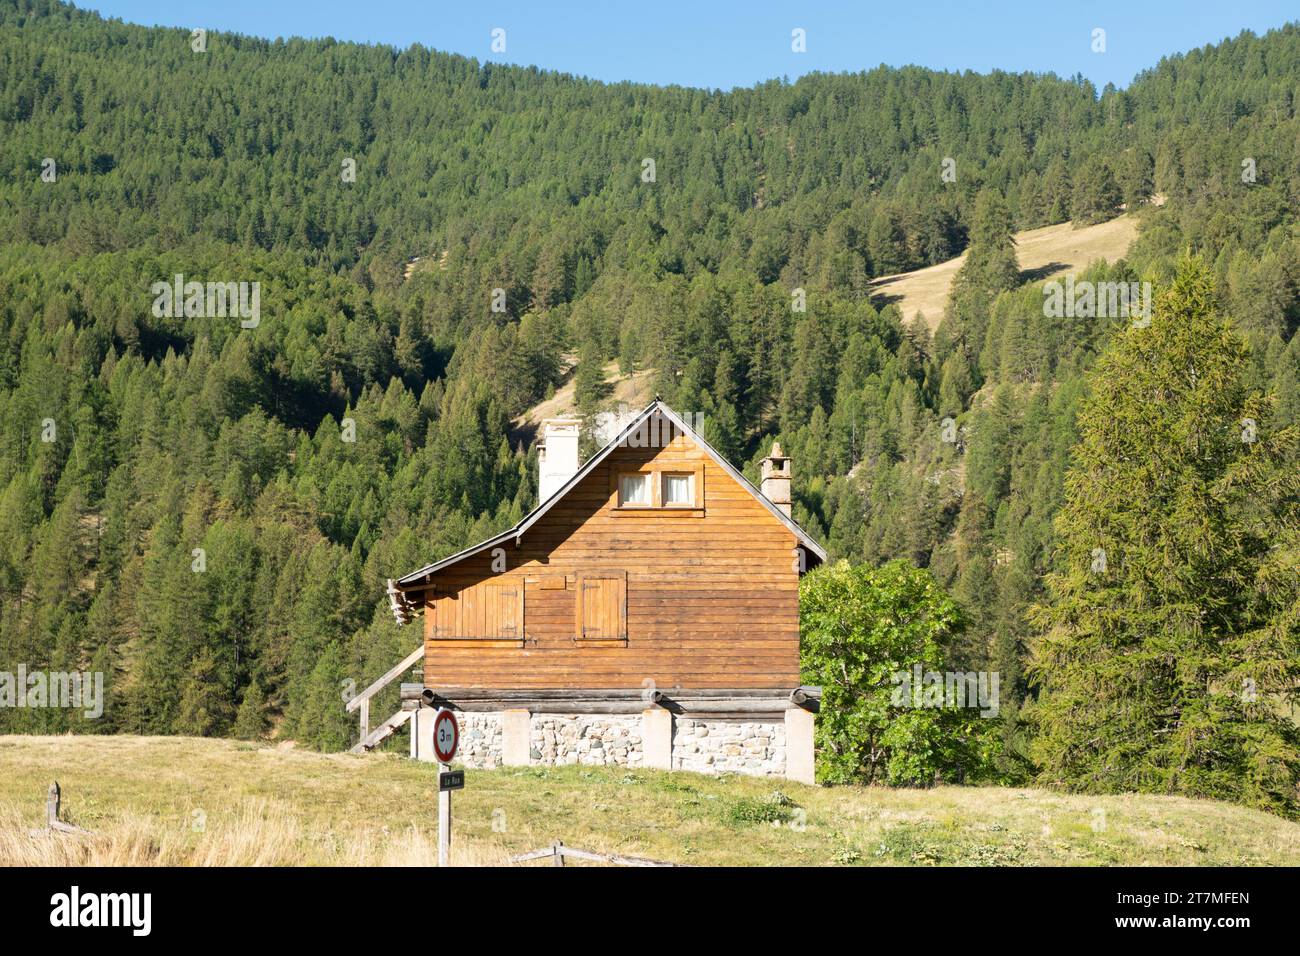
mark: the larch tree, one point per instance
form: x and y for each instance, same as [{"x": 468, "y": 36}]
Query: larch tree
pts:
[
  {"x": 1169, "y": 646},
  {"x": 990, "y": 268}
]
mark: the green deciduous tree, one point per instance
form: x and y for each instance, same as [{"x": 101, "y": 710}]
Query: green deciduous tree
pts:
[{"x": 861, "y": 627}]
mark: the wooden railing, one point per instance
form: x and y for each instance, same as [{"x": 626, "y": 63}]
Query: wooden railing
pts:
[
  {"x": 557, "y": 851},
  {"x": 362, "y": 701}
]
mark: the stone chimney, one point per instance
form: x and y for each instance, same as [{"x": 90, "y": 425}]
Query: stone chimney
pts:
[
  {"x": 557, "y": 454},
  {"x": 776, "y": 479}
]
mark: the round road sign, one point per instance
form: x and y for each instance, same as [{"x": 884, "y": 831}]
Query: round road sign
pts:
[{"x": 446, "y": 736}]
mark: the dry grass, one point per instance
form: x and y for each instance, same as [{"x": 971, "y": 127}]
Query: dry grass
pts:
[
  {"x": 186, "y": 802},
  {"x": 256, "y": 833},
  {"x": 634, "y": 390},
  {"x": 1043, "y": 253},
  {"x": 170, "y": 801}
]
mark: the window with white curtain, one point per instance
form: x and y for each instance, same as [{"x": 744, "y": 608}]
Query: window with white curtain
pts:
[
  {"x": 634, "y": 490},
  {"x": 678, "y": 490}
]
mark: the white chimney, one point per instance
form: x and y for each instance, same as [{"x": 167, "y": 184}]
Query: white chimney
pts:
[
  {"x": 776, "y": 479},
  {"x": 557, "y": 454}
]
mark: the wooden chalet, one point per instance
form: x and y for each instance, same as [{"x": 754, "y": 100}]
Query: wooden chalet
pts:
[{"x": 645, "y": 613}]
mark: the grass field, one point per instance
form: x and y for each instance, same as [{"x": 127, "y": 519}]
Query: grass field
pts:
[
  {"x": 1051, "y": 251},
  {"x": 205, "y": 802}
]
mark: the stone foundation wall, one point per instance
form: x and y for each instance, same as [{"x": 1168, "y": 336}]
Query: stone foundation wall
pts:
[
  {"x": 481, "y": 740},
  {"x": 756, "y": 748},
  {"x": 594, "y": 740},
  {"x": 724, "y": 746}
]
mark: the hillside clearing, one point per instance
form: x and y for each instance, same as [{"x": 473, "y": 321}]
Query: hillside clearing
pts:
[
  {"x": 1043, "y": 253},
  {"x": 634, "y": 390},
  {"x": 176, "y": 800}
]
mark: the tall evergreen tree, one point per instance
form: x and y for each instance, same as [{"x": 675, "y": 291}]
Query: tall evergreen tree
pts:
[
  {"x": 1170, "y": 645},
  {"x": 1096, "y": 195},
  {"x": 990, "y": 268}
]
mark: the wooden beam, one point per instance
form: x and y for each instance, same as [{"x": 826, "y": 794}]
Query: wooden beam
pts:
[
  {"x": 557, "y": 851},
  {"x": 407, "y": 663},
  {"x": 383, "y": 731},
  {"x": 752, "y": 707},
  {"x": 809, "y": 698},
  {"x": 608, "y": 693},
  {"x": 53, "y": 805}
]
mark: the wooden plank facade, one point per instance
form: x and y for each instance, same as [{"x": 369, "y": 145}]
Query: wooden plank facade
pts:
[{"x": 655, "y": 566}]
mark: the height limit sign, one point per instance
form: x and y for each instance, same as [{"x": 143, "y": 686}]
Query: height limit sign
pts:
[
  {"x": 446, "y": 741},
  {"x": 446, "y": 736}
]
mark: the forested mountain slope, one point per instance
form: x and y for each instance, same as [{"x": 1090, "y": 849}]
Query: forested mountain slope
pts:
[{"x": 185, "y": 441}]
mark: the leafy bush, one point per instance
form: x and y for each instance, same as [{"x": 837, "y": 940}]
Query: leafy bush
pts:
[
  {"x": 860, "y": 627},
  {"x": 776, "y": 807}
]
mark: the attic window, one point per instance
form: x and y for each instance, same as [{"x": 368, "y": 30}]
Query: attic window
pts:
[
  {"x": 634, "y": 490},
  {"x": 673, "y": 487},
  {"x": 678, "y": 490}
]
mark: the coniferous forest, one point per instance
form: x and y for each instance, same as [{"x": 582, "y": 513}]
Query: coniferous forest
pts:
[{"x": 368, "y": 424}]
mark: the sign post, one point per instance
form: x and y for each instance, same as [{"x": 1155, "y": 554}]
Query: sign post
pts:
[{"x": 446, "y": 741}]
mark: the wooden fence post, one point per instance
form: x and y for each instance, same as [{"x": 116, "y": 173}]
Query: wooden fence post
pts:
[{"x": 52, "y": 800}]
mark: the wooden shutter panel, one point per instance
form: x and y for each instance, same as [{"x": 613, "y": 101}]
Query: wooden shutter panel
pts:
[
  {"x": 503, "y": 613},
  {"x": 493, "y": 611},
  {"x": 446, "y": 615},
  {"x": 471, "y": 613},
  {"x": 601, "y": 601}
]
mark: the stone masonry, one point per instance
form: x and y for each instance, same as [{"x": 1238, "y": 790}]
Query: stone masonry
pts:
[
  {"x": 553, "y": 740},
  {"x": 480, "y": 740},
  {"x": 756, "y": 748},
  {"x": 588, "y": 739},
  {"x": 723, "y": 746}
]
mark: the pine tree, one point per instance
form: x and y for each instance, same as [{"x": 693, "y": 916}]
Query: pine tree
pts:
[
  {"x": 1137, "y": 180},
  {"x": 1096, "y": 195},
  {"x": 323, "y": 723},
  {"x": 990, "y": 264},
  {"x": 1170, "y": 640},
  {"x": 589, "y": 388},
  {"x": 887, "y": 243},
  {"x": 954, "y": 384},
  {"x": 205, "y": 705},
  {"x": 990, "y": 268},
  {"x": 250, "y": 722},
  {"x": 1054, "y": 197}
]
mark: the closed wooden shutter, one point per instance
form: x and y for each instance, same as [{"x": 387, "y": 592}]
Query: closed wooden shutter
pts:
[
  {"x": 503, "y": 610},
  {"x": 602, "y": 606},
  {"x": 446, "y": 615},
  {"x": 490, "y": 611}
]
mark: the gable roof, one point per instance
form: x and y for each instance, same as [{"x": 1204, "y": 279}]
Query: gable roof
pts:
[{"x": 655, "y": 407}]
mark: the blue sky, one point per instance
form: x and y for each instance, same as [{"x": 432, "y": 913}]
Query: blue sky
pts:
[{"x": 711, "y": 43}]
